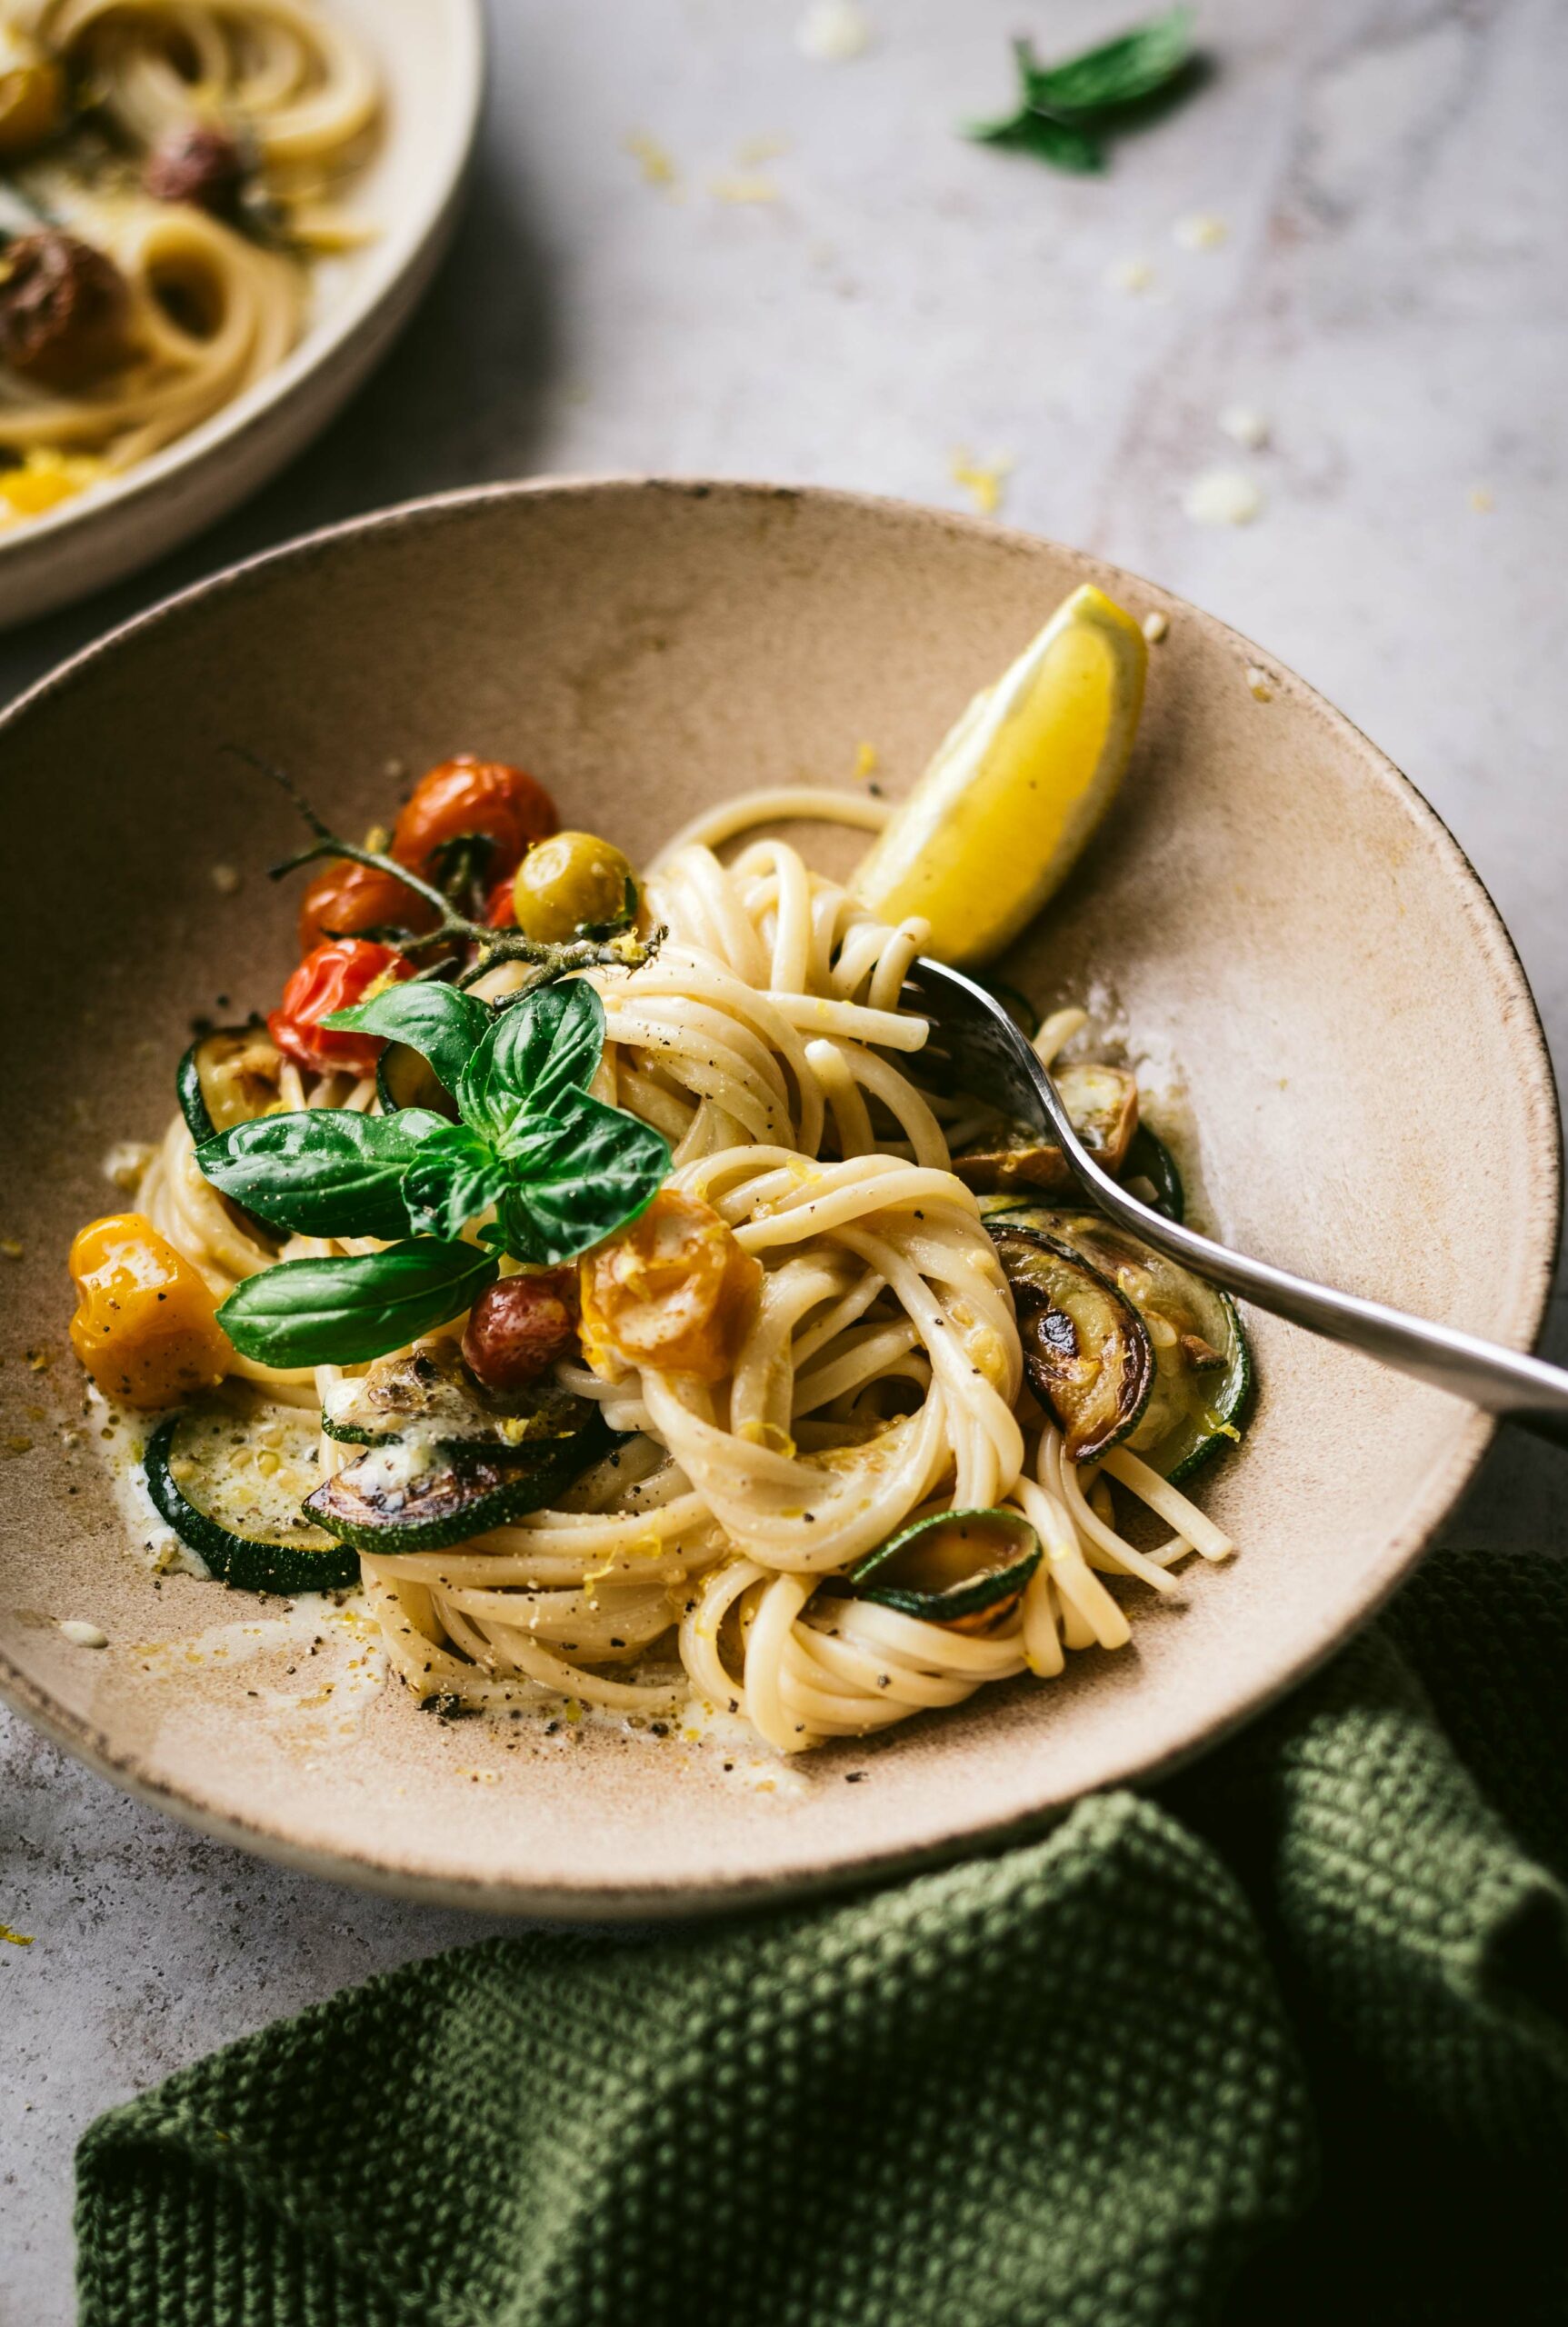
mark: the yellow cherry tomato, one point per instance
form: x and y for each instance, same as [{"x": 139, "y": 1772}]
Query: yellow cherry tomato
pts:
[
  {"x": 144, "y": 1326},
  {"x": 32, "y": 94},
  {"x": 571, "y": 885},
  {"x": 673, "y": 1290}
]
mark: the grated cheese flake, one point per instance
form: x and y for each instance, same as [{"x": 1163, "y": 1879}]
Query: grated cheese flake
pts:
[
  {"x": 1222, "y": 497},
  {"x": 834, "y": 31}
]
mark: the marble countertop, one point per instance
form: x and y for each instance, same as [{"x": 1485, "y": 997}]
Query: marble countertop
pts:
[{"x": 691, "y": 248}]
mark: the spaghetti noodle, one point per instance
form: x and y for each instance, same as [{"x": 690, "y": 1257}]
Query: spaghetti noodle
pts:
[{"x": 707, "y": 1560}]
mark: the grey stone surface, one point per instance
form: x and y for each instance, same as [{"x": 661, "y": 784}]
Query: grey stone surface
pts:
[{"x": 1389, "y": 295}]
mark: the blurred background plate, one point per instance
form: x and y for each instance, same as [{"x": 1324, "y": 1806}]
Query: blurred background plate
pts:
[{"x": 431, "y": 57}]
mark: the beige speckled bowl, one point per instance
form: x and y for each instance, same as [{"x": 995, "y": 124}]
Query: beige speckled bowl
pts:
[{"x": 1274, "y": 908}]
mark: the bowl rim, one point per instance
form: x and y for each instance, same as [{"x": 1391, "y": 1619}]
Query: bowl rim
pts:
[
  {"x": 977, "y": 1835},
  {"x": 391, "y": 261}
]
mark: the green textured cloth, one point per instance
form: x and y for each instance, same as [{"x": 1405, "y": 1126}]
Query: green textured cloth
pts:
[{"x": 1286, "y": 2040}]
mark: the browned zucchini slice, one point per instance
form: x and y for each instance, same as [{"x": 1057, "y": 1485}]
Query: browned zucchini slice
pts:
[
  {"x": 964, "y": 1569},
  {"x": 227, "y": 1077},
  {"x": 1086, "y": 1351},
  {"x": 406, "y": 1497},
  {"x": 1202, "y": 1377},
  {"x": 1102, "y": 1103}
]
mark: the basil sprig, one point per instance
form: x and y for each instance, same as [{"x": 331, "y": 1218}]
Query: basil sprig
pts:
[
  {"x": 560, "y": 1170},
  {"x": 343, "y": 1311},
  {"x": 1065, "y": 110}
]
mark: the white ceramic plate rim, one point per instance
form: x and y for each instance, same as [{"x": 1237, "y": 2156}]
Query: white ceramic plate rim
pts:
[
  {"x": 397, "y": 255},
  {"x": 972, "y": 1835}
]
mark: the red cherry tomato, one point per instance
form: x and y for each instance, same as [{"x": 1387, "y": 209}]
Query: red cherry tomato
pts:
[
  {"x": 519, "y": 1327},
  {"x": 334, "y": 977},
  {"x": 500, "y": 911},
  {"x": 466, "y": 796},
  {"x": 346, "y": 897}
]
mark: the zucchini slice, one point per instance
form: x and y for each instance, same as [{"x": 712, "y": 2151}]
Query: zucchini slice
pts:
[
  {"x": 230, "y": 1481},
  {"x": 428, "y": 1395},
  {"x": 1102, "y": 1103},
  {"x": 1148, "y": 1158},
  {"x": 408, "y": 1497},
  {"x": 1086, "y": 1351},
  {"x": 227, "y": 1077},
  {"x": 964, "y": 1569},
  {"x": 406, "y": 1078},
  {"x": 1203, "y": 1366},
  {"x": 1018, "y": 1006}
]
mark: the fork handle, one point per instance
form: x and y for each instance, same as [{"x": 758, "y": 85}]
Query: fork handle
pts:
[{"x": 1501, "y": 1381}]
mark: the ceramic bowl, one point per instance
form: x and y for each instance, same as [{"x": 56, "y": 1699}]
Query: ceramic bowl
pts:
[
  {"x": 431, "y": 54},
  {"x": 1277, "y": 914}
]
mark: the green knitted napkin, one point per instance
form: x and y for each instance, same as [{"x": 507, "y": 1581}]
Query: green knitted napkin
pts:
[{"x": 1284, "y": 2041}]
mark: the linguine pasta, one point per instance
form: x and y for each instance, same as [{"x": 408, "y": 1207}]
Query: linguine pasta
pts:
[{"x": 880, "y": 1374}]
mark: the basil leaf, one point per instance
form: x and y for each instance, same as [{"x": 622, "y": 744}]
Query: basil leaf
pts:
[
  {"x": 322, "y": 1171},
  {"x": 574, "y": 1179},
  {"x": 1119, "y": 72},
  {"x": 544, "y": 1047},
  {"x": 456, "y": 1174},
  {"x": 1063, "y": 144},
  {"x": 342, "y": 1312},
  {"x": 442, "y": 1025}
]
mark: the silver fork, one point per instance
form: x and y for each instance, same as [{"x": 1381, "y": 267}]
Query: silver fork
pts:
[{"x": 994, "y": 1059}]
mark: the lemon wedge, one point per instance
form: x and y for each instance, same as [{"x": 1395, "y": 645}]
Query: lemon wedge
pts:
[{"x": 1016, "y": 789}]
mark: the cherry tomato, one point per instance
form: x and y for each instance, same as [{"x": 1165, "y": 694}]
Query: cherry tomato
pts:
[
  {"x": 673, "y": 1290},
  {"x": 334, "y": 977},
  {"x": 519, "y": 1327},
  {"x": 346, "y": 897},
  {"x": 499, "y": 911},
  {"x": 467, "y": 795},
  {"x": 571, "y": 883}
]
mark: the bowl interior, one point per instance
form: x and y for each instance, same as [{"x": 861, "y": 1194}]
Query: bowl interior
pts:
[{"x": 1292, "y": 938}]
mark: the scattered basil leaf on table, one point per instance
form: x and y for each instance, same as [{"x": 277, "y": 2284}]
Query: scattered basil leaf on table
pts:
[
  {"x": 322, "y": 1170},
  {"x": 1065, "y": 110},
  {"x": 342, "y": 1312},
  {"x": 442, "y": 1025}
]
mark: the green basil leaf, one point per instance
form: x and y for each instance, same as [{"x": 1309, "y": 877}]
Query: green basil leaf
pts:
[
  {"x": 442, "y": 1025},
  {"x": 542, "y": 1048},
  {"x": 456, "y": 1175},
  {"x": 574, "y": 1179},
  {"x": 322, "y": 1171},
  {"x": 1119, "y": 72},
  {"x": 1063, "y": 144},
  {"x": 343, "y": 1311}
]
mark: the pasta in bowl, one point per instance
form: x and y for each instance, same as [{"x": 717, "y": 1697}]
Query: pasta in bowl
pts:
[
  {"x": 1267, "y": 899},
  {"x": 680, "y": 1342}
]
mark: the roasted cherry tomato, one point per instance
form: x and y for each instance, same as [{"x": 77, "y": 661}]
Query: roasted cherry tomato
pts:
[
  {"x": 468, "y": 795},
  {"x": 144, "y": 1326},
  {"x": 519, "y": 1327},
  {"x": 346, "y": 897},
  {"x": 675, "y": 1291},
  {"x": 335, "y": 977},
  {"x": 572, "y": 884}
]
